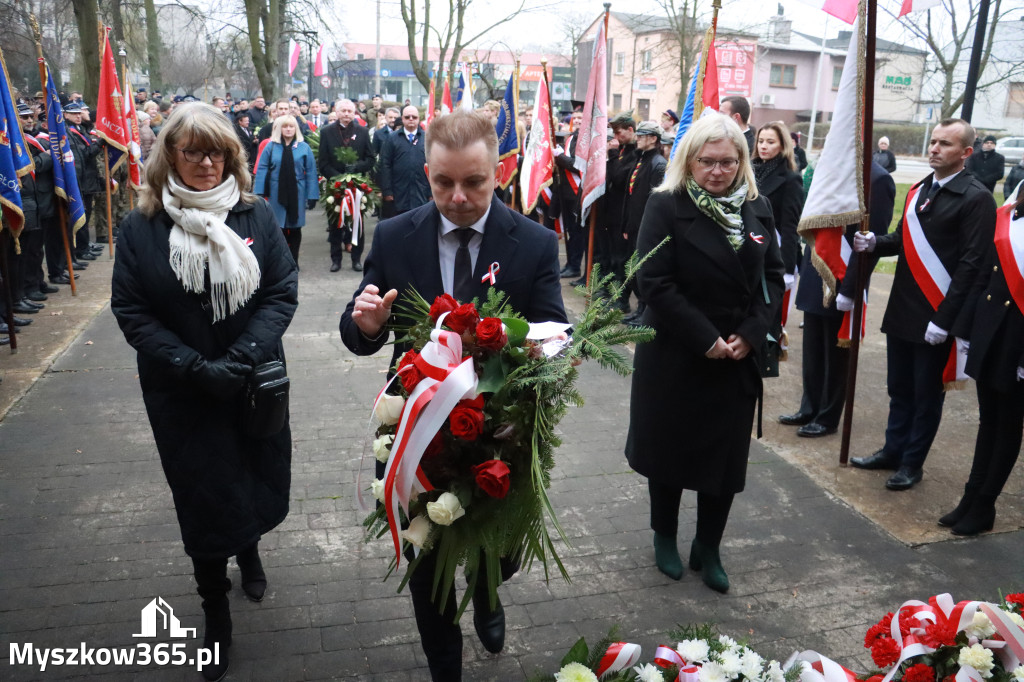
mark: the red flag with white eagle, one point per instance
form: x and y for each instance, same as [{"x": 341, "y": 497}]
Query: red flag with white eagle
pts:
[
  {"x": 110, "y": 107},
  {"x": 539, "y": 161},
  {"x": 592, "y": 145}
]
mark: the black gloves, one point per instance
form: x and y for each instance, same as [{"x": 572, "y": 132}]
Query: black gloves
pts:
[
  {"x": 310, "y": 204},
  {"x": 221, "y": 378}
]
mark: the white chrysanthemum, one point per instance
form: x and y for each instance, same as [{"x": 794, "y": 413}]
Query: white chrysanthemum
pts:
[
  {"x": 575, "y": 672},
  {"x": 693, "y": 650},
  {"x": 713, "y": 672},
  {"x": 728, "y": 642},
  {"x": 978, "y": 657},
  {"x": 773, "y": 673},
  {"x": 1016, "y": 618},
  {"x": 648, "y": 673},
  {"x": 1018, "y": 673},
  {"x": 751, "y": 664},
  {"x": 731, "y": 663},
  {"x": 981, "y": 627}
]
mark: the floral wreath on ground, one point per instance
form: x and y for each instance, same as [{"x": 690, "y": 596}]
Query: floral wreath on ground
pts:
[
  {"x": 937, "y": 641},
  {"x": 468, "y": 430}
]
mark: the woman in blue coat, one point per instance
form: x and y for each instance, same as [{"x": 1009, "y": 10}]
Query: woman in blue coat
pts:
[{"x": 287, "y": 178}]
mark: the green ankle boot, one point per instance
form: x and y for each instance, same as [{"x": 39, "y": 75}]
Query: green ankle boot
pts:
[
  {"x": 706, "y": 560},
  {"x": 666, "y": 555}
]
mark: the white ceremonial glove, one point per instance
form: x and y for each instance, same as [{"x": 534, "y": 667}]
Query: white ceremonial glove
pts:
[
  {"x": 844, "y": 303},
  {"x": 864, "y": 242},
  {"x": 790, "y": 280},
  {"x": 1020, "y": 374},
  {"x": 935, "y": 335},
  {"x": 963, "y": 345}
]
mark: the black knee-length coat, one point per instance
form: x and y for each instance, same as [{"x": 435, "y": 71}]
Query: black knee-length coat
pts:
[
  {"x": 228, "y": 489},
  {"x": 691, "y": 417}
]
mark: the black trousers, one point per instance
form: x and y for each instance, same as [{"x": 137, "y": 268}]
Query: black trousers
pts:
[
  {"x": 575, "y": 241},
  {"x": 293, "y": 235},
  {"x": 824, "y": 370},
  {"x": 914, "y": 375},
  {"x": 997, "y": 447},
  {"x": 335, "y": 238},
  {"x": 212, "y": 582},
  {"x": 712, "y": 512},
  {"x": 80, "y": 246},
  {"x": 31, "y": 260},
  {"x": 53, "y": 245}
]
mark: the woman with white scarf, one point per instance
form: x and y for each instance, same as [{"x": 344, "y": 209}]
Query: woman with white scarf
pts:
[
  {"x": 204, "y": 287},
  {"x": 711, "y": 291}
]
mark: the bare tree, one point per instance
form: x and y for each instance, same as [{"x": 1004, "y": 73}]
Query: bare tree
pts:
[
  {"x": 949, "y": 36},
  {"x": 154, "y": 48},
  {"x": 263, "y": 19},
  {"x": 574, "y": 25},
  {"x": 87, "y": 21}
]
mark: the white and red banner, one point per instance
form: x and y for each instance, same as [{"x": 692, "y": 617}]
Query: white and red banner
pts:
[
  {"x": 294, "y": 50},
  {"x": 110, "y": 107},
  {"x": 131, "y": 126},
  {"x": 845, "y": 10},
  {"x": 320, "y": 66},
  {"x": 909, "y": 6},
  {"x": 446, "y": 98},
  {"x": 539, "y": 160},
  {"x": 592, "y": 145}
]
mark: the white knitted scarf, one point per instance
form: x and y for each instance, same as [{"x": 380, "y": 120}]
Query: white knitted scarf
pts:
[{"x": 200, "y": 235}]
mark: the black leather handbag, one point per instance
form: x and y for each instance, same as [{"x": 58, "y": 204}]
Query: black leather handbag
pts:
[{"x": 266, "y": 400}]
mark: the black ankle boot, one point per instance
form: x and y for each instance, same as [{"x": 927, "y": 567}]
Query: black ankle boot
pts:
[
  {"x": 953, "y": 517},
  {"x": 979, "y": 518},
  {"x": 254, "y": 580},
  {"x": 217, "y": 637}
]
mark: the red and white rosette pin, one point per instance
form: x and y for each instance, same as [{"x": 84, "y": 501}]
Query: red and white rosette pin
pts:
[
  {"x": 492, "y": 274},
  {"x": 620, "y": 655}
]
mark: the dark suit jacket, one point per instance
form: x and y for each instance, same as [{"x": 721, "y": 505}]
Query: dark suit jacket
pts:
[
  {"x": 405, "y": 256},
  {"x": 809, "y": 295},
  {"x": 332, "y": 137},
  {"x": 959, "y": 225}
]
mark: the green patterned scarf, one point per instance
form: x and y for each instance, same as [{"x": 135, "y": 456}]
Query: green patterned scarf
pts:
[{"x": 725, "y": 211}]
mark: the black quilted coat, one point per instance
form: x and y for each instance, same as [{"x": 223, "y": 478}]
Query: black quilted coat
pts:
[{"x": 228, "y": 489}]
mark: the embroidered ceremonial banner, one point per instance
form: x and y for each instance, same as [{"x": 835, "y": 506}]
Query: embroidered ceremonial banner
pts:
[
  {"x": 131, "y": 126},
  {"x": 15, "y": 158},
  {"x": 64, "y": 179},
  {"x": 110, "y": 109},
  {"x": 539, "y": 161},
  {"x": 592, "y": 145},
  {"x": 509, "y": 143}
]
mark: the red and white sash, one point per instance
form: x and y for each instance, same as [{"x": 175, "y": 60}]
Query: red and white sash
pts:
[
  {"x": 931, "y": 276},
  {"x": 1010, "y": 248}
]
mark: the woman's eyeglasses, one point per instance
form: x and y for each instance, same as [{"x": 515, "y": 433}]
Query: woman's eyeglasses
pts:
[
  {"x": 724, "y": 164},
  {"x": 197, "y": 156}
]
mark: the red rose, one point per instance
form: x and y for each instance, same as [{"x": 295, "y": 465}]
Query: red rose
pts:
[
  {"x": 919, "y": 673},
  {"x": 441, "y": 305},
  {"x": 492, "y": 477},
  {"x": 337, "y": 184},
  {"x": 411, "y": 376},
  {"x": 490, "y": 334},
  {"x": 885, "y": 651},
  {"x": 467, "y": 419},
  {"x": 464, "y": 318}
]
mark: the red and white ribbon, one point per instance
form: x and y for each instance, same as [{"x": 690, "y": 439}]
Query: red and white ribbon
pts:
[
  {"x": 818, "y": 668},
  {"x": 492, "y": 274},
  {"x": 620, "y": 655},
  {"x": 352, "y": 206},
  {"x": 665, "y": 656}
]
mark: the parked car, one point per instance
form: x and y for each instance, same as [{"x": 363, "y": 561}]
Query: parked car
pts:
[{"x": 1012, "y": 149}]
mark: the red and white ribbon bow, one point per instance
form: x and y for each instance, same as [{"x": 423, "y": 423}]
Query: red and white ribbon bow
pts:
[{"x": 620, "y": 655}]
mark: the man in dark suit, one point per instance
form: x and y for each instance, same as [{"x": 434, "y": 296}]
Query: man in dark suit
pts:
[
  {"x": 940, "y": 241},
  {"x": 738, "y": 109},
  {"x": 433, "y": 249},
  {"x": 824, "y": 362},
  {"x": 345, "y": 133},
  {"x": 403, "y": 180}
]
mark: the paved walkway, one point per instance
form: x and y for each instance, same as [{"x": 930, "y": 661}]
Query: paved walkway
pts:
[{"x": 89, "y": 538}]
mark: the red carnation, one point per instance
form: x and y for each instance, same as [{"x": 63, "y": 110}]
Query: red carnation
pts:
[
  {"x": 907, "y": 621},
  {"x": 939, "y": 634},
  {"x": 492, "y": 477},
  {"x": 411, "y": 376},
  {"x": 885, "y": 651},
  {"x": 467, "y": 419},
  {"x": 919, "y": 673},
  {"x": 1016, "y": 598},
  {"x": 464, "y": 318},
  {"x": 441, "y": 305},
  {"x": 490, "y": 334},
  {"x": 874, "y": 632}
]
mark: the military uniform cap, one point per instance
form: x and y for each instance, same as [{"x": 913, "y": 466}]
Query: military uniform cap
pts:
[{"x": 648, "y": 128}]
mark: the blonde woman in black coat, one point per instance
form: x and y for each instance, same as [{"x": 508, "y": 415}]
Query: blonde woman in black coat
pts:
[
  {"x": 204, "y": 288},
  {"x": 711, "y": 292},
  {"x": 777, "y": 180}
]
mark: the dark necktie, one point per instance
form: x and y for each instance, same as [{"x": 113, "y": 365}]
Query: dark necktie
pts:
[
  {"x": 462, "y": 283},
  {"x": 932, "y": 191}
]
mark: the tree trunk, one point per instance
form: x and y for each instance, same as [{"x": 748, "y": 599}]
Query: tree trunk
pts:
[
  {"x": 154, "y": 47},
  {"x": 86, "y": 17},
  {"x": 117, "y": 23},
  {"x": 265, "y": 13}
]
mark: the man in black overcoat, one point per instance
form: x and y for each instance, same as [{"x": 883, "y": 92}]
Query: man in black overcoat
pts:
[
  {"x": 423, "y": 249},
  {"x": 989, "y": 166},
  {"x": 345, "y": 133},
  {"x": 403, "y": 180},
  {"x": 824, "y": 363},
  {"x": 647, "y": 173},
  {"x": 949, "y": 220}
]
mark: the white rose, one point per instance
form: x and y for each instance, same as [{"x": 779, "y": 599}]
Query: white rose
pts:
[
  {"x": 417, "y": 532},
  {"x": 330, "y": 199},
  {"x": 977, "y": 657},
  {"x": 446, "y": 510},
  {"x": 693, "y": 650},
  {"x": 389, "y": 409},
  {"x": 981, "y": 627},
  {"x": 378, "y": 489},
  {"x": 382, "y": 447}
]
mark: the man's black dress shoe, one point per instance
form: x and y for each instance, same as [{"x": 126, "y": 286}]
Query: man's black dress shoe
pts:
[
  {"x": 45, "y": 288},
  {"x": 357, "y": 266},
  {"x": 88, "y": 255},
  {"x": 20, "y": 321},
  {"x": 80, "y": 265},
  {"x": 335, "y": 267},
  {"x": 490, "y": 625},
  {"x": 62, "y": 279},
  {"x": 904, "y": 479},
  {"x": 25, "y": 308},
  {"x": 815, "y": 430},
  {"x": 569, "y": 273},
  {"x": 878, "y": 460},
  {"x": 798, "y": 419},
  {"x": 581, "y": 282},
  {"x": 36, "y": 296}
]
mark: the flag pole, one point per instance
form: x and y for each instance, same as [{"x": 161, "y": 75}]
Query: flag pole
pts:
[
  {"x": 106, "y": 166},
  {"x": 512, "y": 198},
  {"x": 128, "y": 188},
  {"x": 709, "y": 43},
  {"x": 593, "y": 207},
  {"x": 62, "y": 215},
  {"x": 870, "y": 8}
]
